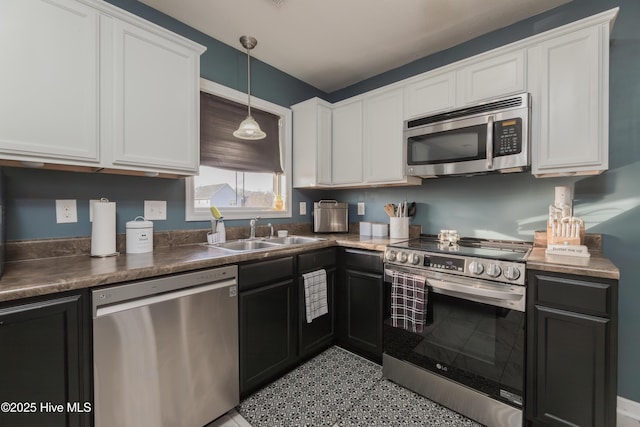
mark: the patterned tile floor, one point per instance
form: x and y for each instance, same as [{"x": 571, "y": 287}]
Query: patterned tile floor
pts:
[{"x": 338, "y": 388}]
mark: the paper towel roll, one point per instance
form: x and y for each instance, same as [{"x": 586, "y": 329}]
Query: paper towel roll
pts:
[
  {"x": 563, "y": 196},
  {"x": 103, "y": 229}
]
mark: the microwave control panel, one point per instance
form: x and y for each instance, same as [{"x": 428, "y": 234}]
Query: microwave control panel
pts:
[{"x": 507, "y": 137}]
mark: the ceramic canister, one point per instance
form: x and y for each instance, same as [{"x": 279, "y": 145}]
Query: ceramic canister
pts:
[{"x": 139, "y": 236}]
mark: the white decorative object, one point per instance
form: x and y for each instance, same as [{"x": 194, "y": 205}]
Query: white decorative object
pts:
[
  {"x": 139, "y": 236},
  {"x": 365, "y": 228},
  {"x": 569, "y": 250},
  {"x": 399, "y": 227},
  {"x": 379, "y": 229}
]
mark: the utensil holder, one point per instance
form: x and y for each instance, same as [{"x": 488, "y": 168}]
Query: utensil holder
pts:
[{"x": 399, "y": 227}]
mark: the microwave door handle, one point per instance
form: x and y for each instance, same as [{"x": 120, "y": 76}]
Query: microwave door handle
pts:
[{"x": 490, "y": 143}]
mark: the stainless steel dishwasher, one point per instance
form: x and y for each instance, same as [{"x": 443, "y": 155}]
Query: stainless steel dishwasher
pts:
[{"x": 166, "y": 350}]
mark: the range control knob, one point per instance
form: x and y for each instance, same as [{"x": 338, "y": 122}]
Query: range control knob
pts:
[
  {"x": 390, "y": 255},
  {"x": 402, "y": 257},
  {"x": 512, "y": 273},
  {"x": 493, "y": 270},
  {"x": 414, "y": 259},
  {"x": 476, "y": 268}
]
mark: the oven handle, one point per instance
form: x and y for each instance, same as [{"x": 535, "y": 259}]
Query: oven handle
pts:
[{"x": 475, "y": 290}]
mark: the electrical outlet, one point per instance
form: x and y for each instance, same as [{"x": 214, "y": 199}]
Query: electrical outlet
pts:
[
  {"x": 303, "y": 208},
  {"x": 360, "y": 208},
  {"x": 155, "y": 210},
  {"x": 66, "y": 211}
]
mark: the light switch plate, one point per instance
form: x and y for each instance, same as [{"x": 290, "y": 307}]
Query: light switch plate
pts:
[
  {"x": 66, "y": 211},
  {"x": 155, "y": 210},
  {"x": 360, "y": 208},
  {"x": 303, "y": 208}
]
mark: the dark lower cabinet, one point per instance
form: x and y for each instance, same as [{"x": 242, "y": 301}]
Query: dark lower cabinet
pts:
[
  {"x": 267, "y": 322},
  {"x": 571, "y": 350},
  {"x": 274, "y": 333},
  {"x": 318, "y": 334},
  {"x": 360, "y": 298},
  {"x": 45, "y": 362}
]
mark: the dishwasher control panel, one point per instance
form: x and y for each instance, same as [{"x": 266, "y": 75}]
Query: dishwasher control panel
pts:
[{"x": 155, "y": 287}]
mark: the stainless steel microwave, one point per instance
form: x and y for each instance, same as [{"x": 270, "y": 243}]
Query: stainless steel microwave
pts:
[{"x": 487, "y": 137}]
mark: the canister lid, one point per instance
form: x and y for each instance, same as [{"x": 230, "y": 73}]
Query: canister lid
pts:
[{"x": 139, "y": 222}]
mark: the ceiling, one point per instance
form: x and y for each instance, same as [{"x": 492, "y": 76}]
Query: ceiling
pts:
[{"x": 331, "y": 44}]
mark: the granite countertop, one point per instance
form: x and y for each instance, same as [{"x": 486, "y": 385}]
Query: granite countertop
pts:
[
  {"x": 28, "y": 278},
  {"x": 594, "y": 266}
]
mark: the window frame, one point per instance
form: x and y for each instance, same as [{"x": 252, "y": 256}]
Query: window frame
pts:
[{"x": 203, "y": 214}]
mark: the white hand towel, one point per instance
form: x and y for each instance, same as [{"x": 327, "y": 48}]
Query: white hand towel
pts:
[{"x": 315, "y": 294}]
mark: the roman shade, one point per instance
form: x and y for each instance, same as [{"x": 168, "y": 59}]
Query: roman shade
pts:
[{"x": 219, "y": 117}]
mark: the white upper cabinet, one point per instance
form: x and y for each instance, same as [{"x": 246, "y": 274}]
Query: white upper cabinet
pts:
[
  {"x": 570, "y": 89},
  {"x": 430, "y": 95},
  {"x": 566, "y": 70},
  {"x": 154, "y": 82},
  {"x": 312, "y": 143},
  {"x": 49, "y": 82},
  {"x": 90, "y": 86},
  {"x": 383, "y": 152},
  {"x": 346, "y": 159},
  {"x": 491, "y": 78}
]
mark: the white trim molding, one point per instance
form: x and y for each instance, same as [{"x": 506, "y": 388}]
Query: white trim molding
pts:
[
  {"x": 201, "y": 214},
  {"x": 628, "y": 413}
]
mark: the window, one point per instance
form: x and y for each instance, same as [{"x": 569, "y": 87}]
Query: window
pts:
[{"x": 238, "y": 190}]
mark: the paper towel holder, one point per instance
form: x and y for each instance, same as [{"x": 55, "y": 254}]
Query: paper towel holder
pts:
[{"x": 94, "y": 255}]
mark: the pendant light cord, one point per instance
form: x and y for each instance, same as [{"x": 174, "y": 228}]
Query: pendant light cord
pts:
[{"x": 249, "y": 80}]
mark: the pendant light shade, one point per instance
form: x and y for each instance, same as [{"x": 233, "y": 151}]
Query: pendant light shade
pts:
[{"x": 249, "y": 128}]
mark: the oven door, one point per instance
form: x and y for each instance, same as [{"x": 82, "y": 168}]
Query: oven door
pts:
[{"x": 470, "y": 336}]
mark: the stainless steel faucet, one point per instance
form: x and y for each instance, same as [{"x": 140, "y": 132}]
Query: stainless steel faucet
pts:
[
  {"x": 270, "y": 230},
  {"x": 252, "y": 224}
]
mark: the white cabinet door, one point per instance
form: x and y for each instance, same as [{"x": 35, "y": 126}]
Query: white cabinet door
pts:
[
  {"x": 324, "y": 147},
  {"x": 347, "y": 144},
  {"x": 430, "y": 95},
  {"x": 570, "y": 98},
  {"x": 49, "y": 81},
  {"x": 311, "y": 143},
  {"x": 492, "y": 78},
  {"x": 383, "y": 151},
  {"x": 155, "y": 104}
]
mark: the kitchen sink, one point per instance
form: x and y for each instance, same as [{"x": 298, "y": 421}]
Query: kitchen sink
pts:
[
  {"x": 294, "y": 240},
  {"x": 247, "y": 245},
  {"x": 250, "y": 245}
]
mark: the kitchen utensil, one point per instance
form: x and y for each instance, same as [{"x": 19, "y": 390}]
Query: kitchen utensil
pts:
[
  {"x": 412, "y": 209},
  {"x": 215, "y": 212},
  {"x": 390, "y": 209}
]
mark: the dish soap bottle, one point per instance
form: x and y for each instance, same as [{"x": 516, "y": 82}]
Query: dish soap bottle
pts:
[{"x": 220, "y": 230}]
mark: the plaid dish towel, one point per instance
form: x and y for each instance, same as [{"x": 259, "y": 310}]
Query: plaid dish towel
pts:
[
  {"x": 408, "y": 301},
  {"x": 315, "y": 294}
]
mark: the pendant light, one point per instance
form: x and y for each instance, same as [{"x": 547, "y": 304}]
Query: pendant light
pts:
[{"x": 249, "y": 128}]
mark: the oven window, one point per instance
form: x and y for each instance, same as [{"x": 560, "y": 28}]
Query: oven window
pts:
[
  {"x": 454, "y": 145},
  {"x": 479, "y": 345}
]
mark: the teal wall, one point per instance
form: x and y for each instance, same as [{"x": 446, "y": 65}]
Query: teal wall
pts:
[
  {"x": 509, "y": 206},
  {"x": 512, "y": 206}
]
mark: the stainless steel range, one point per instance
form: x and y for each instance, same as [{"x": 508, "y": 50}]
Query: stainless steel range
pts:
[{"x": 463, "y": 346}]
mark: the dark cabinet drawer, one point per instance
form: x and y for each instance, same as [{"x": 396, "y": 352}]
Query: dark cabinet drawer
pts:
[
  {"x": 261, "y": 273},
  {"x": 316, "y": 259},
  {"x": 363, "y": 260},
  {"x": 589, "y": 296}
]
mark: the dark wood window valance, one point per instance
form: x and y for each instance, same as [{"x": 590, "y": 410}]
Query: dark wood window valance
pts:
[{"x": 219, "y": 118}]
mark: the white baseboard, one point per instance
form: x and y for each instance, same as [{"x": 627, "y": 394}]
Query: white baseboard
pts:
[{"x": 628, "y": 413}]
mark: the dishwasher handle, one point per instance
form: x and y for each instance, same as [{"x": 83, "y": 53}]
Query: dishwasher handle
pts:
[{"x": 155, "y": 299}]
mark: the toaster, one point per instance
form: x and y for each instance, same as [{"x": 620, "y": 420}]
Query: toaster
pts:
[{"x": 330, "y": 216}]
